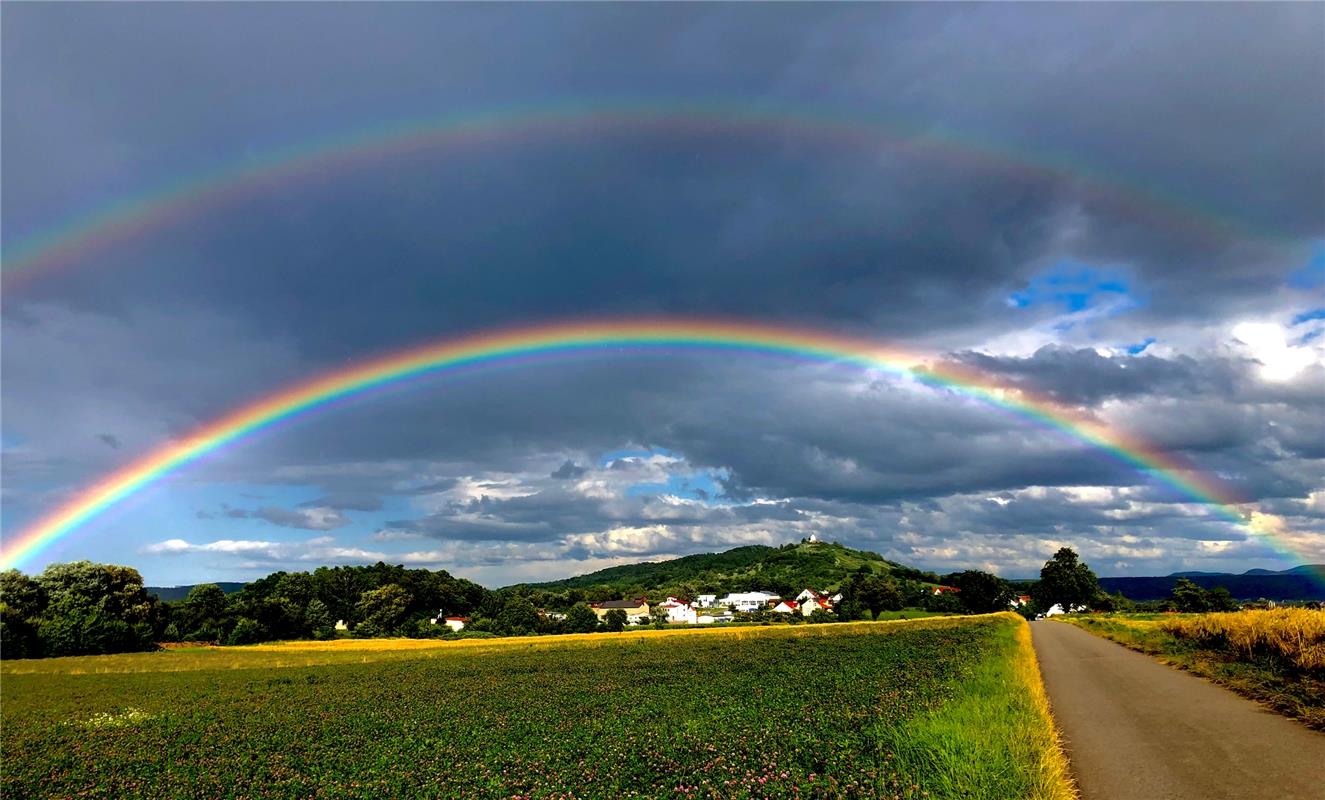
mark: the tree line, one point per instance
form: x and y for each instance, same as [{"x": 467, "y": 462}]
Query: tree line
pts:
[{"x": 82, "y": 608}]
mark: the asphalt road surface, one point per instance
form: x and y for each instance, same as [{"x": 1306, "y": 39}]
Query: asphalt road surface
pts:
[{"x": 1136, "y": 729}]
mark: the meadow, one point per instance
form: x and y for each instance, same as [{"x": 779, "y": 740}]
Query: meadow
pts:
[
  {"x": 1274, "y": 656},
  {"x": 935, "y": 708}
]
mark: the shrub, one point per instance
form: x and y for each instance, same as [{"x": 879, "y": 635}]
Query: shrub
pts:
[{"x": 246, "y": 631}]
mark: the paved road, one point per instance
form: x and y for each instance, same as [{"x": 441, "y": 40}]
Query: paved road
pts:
[{"x": 1139, "y": 730}]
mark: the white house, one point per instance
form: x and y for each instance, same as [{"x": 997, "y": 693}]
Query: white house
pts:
[
  {"x": 820, "y": 604},
  {"x": 706, "y": 600},
  {"x": 786, "y": 607},
  {"x": 1019, "y": 601},
  {"x": 456, "y": 624},
  {"x": 808, "y": 594},
  {"x": 748, "y": 601},
  {"x": 678, "y": 611}
]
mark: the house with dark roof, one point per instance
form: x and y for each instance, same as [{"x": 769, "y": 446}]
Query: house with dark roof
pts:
[{"x": 637, "y": 610}]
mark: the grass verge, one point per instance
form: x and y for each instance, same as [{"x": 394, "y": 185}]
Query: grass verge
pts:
[{"x": 999, "y": 720}]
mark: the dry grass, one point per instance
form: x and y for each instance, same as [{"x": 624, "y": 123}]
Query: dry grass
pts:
[
  {"x": 1055, "y": 774},
  {"x": 1295, "y": 636}
]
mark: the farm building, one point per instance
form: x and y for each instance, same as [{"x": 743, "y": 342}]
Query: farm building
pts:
[
  {"x": 748, "y": 601},
  {"x": 636, "y": 610}
]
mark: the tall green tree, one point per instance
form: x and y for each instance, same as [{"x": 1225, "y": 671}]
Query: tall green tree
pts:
[
  {"x": 1067, "y": 581},
  {"x": 980, "y": 592},
  {"x": 202, "y": 615},
  {"x": 581, "y": 619},
  {"x": 381, "y": 610},
  {"x": 318, "y": 618},
  {"x": 22, "y": 601},
  {"x": 615, "y": 620},
  {"x": 517, "y": 617},
  {"x": 96, "y": 608}
]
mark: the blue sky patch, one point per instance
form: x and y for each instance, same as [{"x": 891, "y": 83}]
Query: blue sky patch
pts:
[
  {"x": 1140, "y": 347},
  {"x": 1311, "y": 276},
  {"x": 697, "y": 485},
  {"x": 1073, "y": 286}
]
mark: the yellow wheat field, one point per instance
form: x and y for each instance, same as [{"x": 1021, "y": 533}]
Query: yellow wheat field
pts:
[{"x": 1295, "y": 635}]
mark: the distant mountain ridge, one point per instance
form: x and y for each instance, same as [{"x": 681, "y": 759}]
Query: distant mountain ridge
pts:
[
  {"x": 1304, "y": 582},
  {"x": 1301, "y": 569},
  {"x": 181, "y": 592}
]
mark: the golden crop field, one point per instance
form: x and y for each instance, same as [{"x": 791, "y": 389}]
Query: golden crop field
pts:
[{"x": 1295, "y": 635}]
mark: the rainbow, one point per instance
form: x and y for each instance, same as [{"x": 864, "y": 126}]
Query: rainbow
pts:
[
  {"x": 138, "y": 215},
  {"x": 652, "y": 335}
]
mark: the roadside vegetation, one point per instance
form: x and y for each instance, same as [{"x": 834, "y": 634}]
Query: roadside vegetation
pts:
[
  {"x": 937, "y": 708},
  {"x": 1275, "y": 656}
]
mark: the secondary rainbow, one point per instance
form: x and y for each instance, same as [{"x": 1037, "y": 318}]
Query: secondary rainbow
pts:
[
  {"x": 140, "y": 214},
  {"x": 666, "y": 335}
]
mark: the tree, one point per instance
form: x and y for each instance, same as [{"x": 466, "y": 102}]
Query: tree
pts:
[
  {"x": 22, "y": 602},
  {"x": 1065, "y": 580},
  {"x": 1220, "y": 599},
  {"x": 615, "y": 620},
  {"x": 318, "y": 618},
  {"x": 22, "y": 594},
  {"x": 382, "y": 610},
  {"x": 246, "y": 631},
  {"x": 980, "y": 592},
  {"x": 873, "y": 592},
  {"x": 581, "y": 619},
  {"x": 96, "y": 608},
  {"x": 202, "y": 614},
  {"x": 1189, "y": 597},
  {"x": 517, "y": 617}
]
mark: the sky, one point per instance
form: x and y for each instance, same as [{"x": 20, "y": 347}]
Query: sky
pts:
[{"x": 1127, "y": 214}]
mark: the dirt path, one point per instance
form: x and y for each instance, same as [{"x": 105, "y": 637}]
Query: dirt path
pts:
[{"x": 1137, "y": 729}]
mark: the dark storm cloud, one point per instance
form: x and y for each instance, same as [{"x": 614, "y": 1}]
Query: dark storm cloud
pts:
[
  {"x": 567, "y": 471},
  {"x": 874, "y": 238}
]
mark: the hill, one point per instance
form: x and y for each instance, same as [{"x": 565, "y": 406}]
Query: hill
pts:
[
  {"x": 181, "y": 592},
  {"x": 1306, "y": 582},
  {"x": 791, "y": 567}
]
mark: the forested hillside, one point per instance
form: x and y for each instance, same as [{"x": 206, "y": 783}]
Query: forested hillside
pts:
[{"x": 786, "y": 569}]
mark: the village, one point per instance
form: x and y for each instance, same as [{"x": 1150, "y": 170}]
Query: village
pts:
[{"x": 710, "y": 609}]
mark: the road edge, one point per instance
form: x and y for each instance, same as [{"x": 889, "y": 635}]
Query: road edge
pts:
[{"x": 1054, "y": 765}]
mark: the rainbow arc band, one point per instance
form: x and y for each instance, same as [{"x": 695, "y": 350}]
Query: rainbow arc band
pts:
[
  {"x": 137, "y": 215},
  {"x": 518, "y": 345}
]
